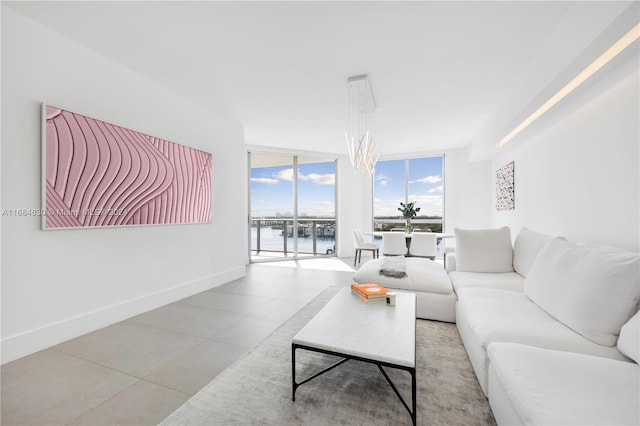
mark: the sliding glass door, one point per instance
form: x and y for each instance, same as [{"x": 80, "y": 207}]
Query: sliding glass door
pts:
[{"x": 292, "y": 206}]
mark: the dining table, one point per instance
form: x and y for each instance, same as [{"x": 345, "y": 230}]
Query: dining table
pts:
[{"x": 439, "y": 235}]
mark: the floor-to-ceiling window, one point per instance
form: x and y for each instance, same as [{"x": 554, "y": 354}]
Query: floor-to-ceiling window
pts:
[
  {"x": 419, "y": 180},
  {"x": 292, "y": 206}
]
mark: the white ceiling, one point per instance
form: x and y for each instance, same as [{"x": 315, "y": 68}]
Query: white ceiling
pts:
[{"x": 443, "y": 74}]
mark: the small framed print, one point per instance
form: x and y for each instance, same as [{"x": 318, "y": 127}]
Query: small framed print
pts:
[{"x": 505, "y": 188}]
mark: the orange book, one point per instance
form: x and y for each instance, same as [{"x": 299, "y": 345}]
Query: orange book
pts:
[
  {"x": 369, "y": 290},
  {"x": 370, "y": 300}
]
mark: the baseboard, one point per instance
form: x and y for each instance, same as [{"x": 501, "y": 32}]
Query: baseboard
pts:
[{"x": 17, "y": 346}]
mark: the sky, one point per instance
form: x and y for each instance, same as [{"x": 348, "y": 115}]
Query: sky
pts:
[
  {"x": 272, "y": 188},
  {"x": 425, "y": 186}
]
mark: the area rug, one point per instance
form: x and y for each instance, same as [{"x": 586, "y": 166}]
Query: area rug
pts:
[{"x": 256, "y": 390}]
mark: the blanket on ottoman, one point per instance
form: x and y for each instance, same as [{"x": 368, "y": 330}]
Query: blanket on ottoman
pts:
[{"x": 393, "y": 267}]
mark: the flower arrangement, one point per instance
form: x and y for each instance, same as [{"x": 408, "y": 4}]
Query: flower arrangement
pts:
[{"x": 409, "y": 211}]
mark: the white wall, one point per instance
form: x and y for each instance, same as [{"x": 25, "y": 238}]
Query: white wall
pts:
[
  {"x": 467, "y": 192},
  {"x": 60, "y": 284},
  {"x": 354, "y": 205},
  {"x": 578, "y": 176}
]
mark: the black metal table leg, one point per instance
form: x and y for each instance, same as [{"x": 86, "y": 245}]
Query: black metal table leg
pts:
[
  {"x": 293, "y": 371},
  {"x": 413, "y": 396},
  {"x": 411, "y": 370}
]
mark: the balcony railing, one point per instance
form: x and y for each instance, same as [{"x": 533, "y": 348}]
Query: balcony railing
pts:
[
  {"x": 275, "y": 235},
  {"x": 426, "y": 225},
  {"x": 419, "y": 225}
]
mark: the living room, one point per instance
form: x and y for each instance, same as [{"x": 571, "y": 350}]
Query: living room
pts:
[{"x": 576, "y": 166}]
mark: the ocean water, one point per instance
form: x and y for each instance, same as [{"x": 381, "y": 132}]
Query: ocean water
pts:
[{"x": 273, "y": 240}]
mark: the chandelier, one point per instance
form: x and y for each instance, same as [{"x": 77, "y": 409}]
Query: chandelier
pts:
[{"x": 363, "y": 152}]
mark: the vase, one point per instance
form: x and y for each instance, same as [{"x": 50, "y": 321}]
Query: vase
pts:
[{"x": 408, "y": 228}]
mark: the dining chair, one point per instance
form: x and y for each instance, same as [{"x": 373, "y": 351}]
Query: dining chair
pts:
[
  {"x": 360, "y": 245},
  {"x": 423, "y": 244},
  {"x": 394, "y": 244}
]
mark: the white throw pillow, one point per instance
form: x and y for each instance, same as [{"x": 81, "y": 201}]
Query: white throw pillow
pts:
[
  {"x": 484, "y": 250},
  {"x": 593, "y": 290},
  {"x": 629, "y": 340},
  {"x": 526, "y": 248}
]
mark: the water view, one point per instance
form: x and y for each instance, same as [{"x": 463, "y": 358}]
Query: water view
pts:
[{"x": 272, "y": 239}]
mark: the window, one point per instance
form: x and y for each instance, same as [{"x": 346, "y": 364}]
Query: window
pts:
[
  {"x": 419, "y": 180},
  {"x": 292, "y": 213}
]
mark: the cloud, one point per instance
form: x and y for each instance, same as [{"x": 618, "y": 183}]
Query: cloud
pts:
[
  {"x": 436, "y": 189},
  {"x": 428, "y": 179},
  {"x": 429, "y": 199},
  {"x": 268, "y": 181},
  {"x": 328, "y": 179},
  {"x": 284, "y": 174},
  {"x": 381, "y": 180}
]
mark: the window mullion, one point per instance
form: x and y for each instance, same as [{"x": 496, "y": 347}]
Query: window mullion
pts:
[
  {"x": 406, "y": 180},
  {"x": 294, "y": 232}
]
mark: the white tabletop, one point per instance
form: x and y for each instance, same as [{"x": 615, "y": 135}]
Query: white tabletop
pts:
[{"x": 371, "y": 330}]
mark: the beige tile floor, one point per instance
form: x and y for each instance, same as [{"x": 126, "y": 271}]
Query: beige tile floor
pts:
[{"x": 138, "y": 371}]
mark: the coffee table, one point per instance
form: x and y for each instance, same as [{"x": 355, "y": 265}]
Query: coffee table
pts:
[{"x": 371, "y": 332}]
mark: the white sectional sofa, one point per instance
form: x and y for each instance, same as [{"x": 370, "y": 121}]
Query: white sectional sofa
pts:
[
  {"x": 486, "y": 259},
  {"x": 541, "y": 320},
  {"x": 529, "y": 385}
]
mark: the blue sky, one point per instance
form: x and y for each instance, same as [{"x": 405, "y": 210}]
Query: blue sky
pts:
[
  {"x": 272, "y": 188},
  {"x": 425, "y": 186}
]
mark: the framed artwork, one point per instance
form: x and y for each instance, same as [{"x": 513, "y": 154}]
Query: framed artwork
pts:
[
  {"x": 505, "y": 188},
  {"x": 97, "y": 174}
]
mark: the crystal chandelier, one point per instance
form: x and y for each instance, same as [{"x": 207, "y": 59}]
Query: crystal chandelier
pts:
[{"x": 363, "y": 152}]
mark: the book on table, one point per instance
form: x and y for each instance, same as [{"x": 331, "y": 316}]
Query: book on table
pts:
[
  {"x": 369, "y": 291},
  {"x": 366, "y": 300}
]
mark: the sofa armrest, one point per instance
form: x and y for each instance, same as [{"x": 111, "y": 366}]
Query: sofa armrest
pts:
[{"x": 450, "y": 262}]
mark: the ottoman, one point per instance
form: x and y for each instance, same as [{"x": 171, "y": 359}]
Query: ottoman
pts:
[{"x": 427, "y": 279}]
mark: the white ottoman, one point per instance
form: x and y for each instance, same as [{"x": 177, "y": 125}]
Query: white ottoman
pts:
[{"x": 427, "y": 279}]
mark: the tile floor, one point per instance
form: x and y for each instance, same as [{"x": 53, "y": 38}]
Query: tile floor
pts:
[{"x": 138, "y": 371}]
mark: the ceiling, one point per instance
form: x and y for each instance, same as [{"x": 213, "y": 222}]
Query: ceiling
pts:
[{"x": 443, "y": 74}]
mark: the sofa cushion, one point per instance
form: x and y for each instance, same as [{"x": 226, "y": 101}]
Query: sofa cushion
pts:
[
  {"x": 546, "y": 387},
  {"x": 505, "y": 280},
  {"x": 509, "y": 316},
  {"x": 484, "y": 250},
  {"x": 592, "y": 289},
  {"x": 629, "y": 340},
  {"x": 422, "y": 275},
  {"x": 485, "y": 316},
  {"x": 526, "y": 248}
]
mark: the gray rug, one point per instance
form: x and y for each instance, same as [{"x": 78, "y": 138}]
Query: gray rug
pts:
[{"x": 256, "y": 390}]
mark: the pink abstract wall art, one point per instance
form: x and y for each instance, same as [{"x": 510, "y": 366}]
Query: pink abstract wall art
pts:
[{"x": 98, "y": 174}]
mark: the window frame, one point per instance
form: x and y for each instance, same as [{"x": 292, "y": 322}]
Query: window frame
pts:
[
  {"x": 406, "y": 160},
  {"x": 295, "y": 155}
]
